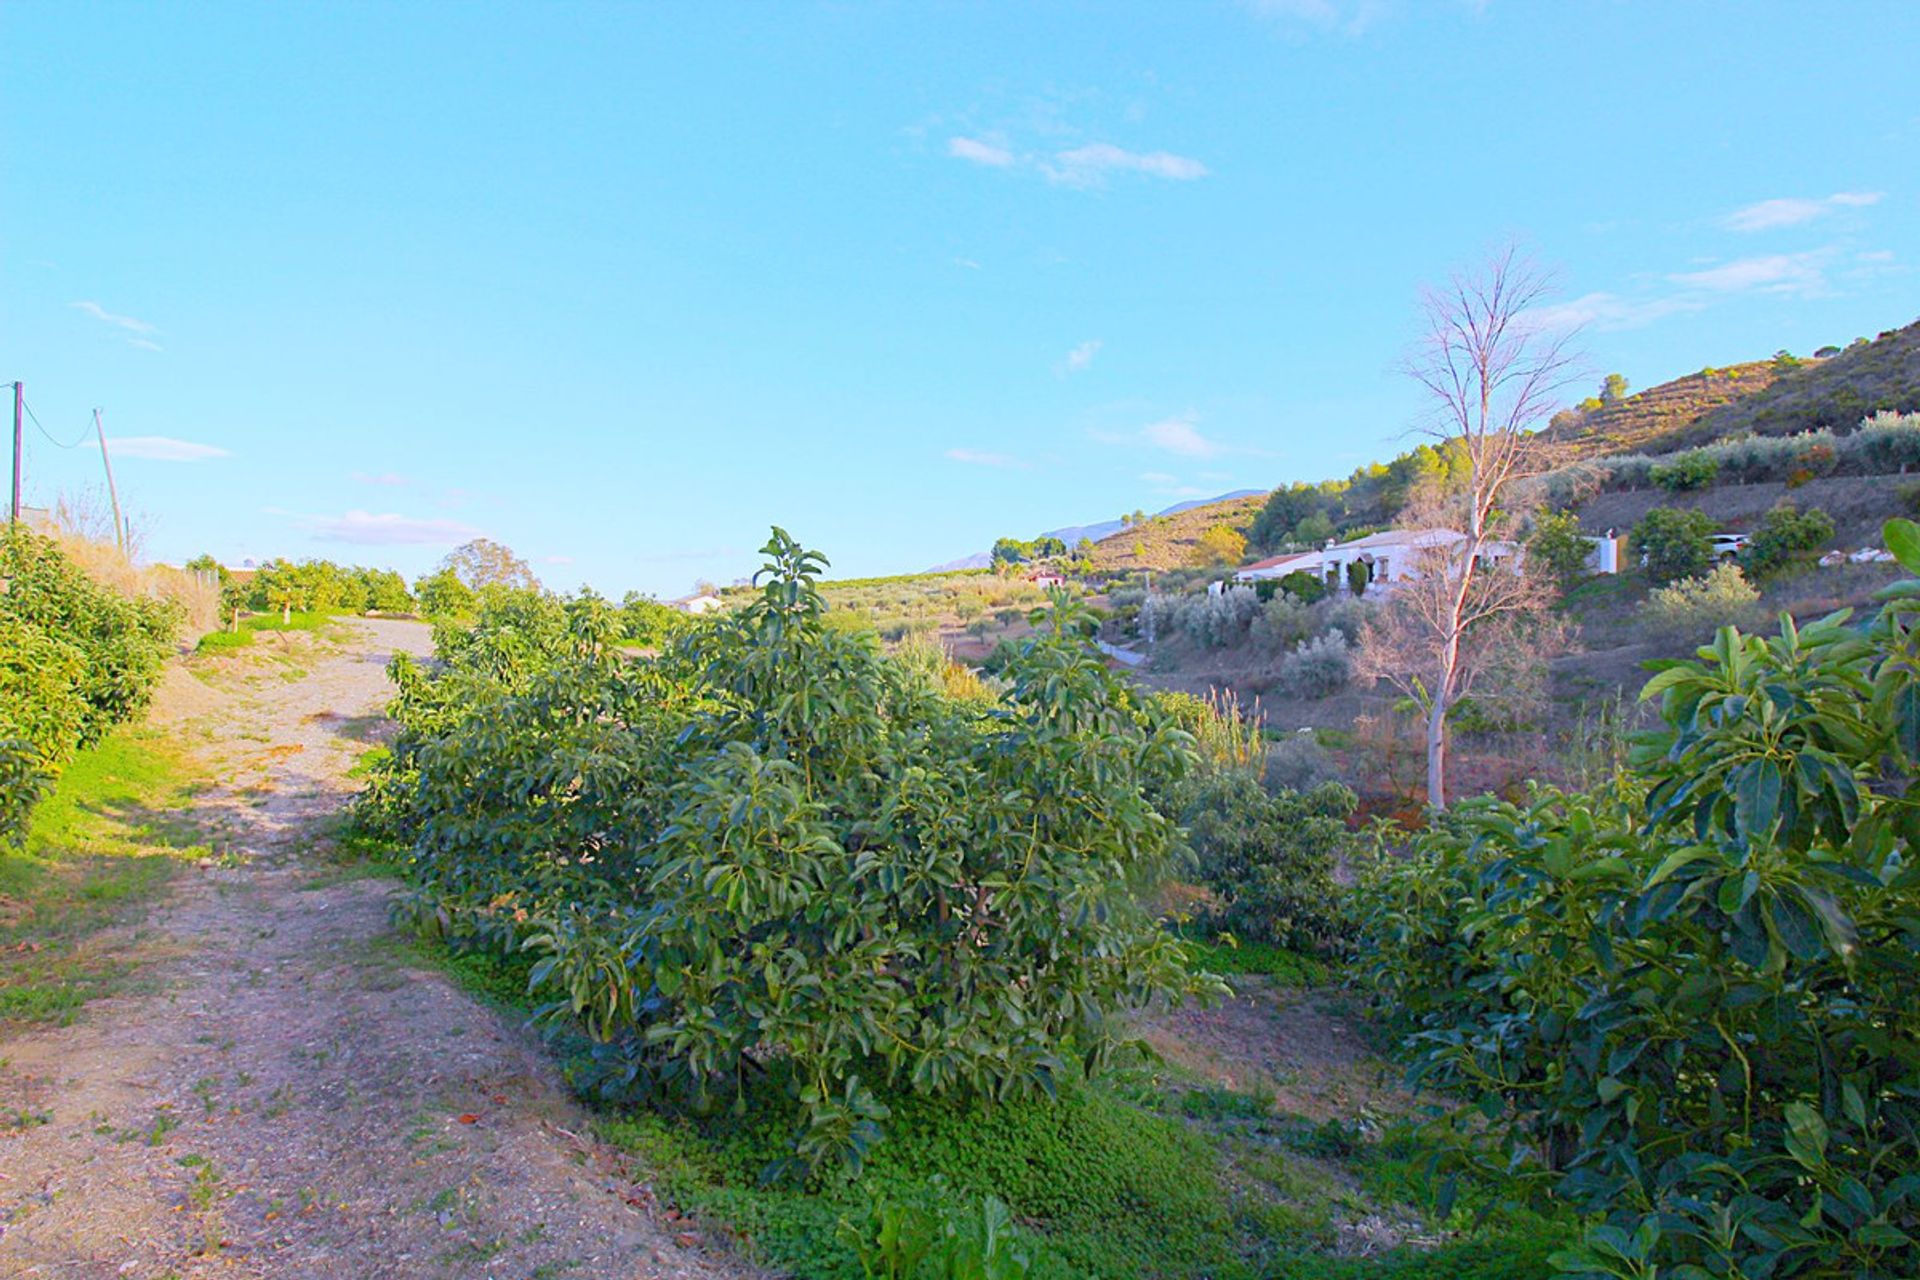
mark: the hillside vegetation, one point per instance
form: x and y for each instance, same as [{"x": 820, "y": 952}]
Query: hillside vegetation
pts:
[
  {"x": 1764, "y": 397},
  {"x": 1172, "y": 541},
  {"x": 1641, "y": 420}
]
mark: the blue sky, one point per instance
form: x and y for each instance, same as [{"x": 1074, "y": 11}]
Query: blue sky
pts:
[{"x": 622, "y": 285}]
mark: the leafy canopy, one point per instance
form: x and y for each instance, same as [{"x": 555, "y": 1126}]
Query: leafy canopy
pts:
[
  {"x": 1684, "y": 1002},
  {"x": 776, "y": 843}
]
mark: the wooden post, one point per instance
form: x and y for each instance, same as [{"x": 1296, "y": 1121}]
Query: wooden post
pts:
[{"x": 119, "y": 527}]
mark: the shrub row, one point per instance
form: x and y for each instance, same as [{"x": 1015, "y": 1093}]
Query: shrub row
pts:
[
  {"x": 1885, "y": 444},
  {"x": 76, "y": 658}
]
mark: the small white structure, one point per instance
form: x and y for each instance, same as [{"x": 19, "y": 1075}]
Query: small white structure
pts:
[
  {"x": 703, "y": 603},
  {"x": 1604, "y": 557},
  {"x": 1280, "y": 566},
  {"x": 1392, "y": 556},
  {"x": 1396, "y": 555}
]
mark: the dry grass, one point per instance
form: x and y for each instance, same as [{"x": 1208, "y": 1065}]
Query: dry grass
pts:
[
  {"x": 1754, "y": 398},
  {"x": 87, "y": 540},
  {"x": 1173, "y": 542}
]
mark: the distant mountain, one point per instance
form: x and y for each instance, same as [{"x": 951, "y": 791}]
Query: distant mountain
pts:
[{"x": 1091, "y": 532}]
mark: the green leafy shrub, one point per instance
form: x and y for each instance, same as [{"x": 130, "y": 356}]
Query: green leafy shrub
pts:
[
  {"x": 1297, "y": 762},
  {"x": 1674, "y": 544},
  {"x": 1558, "y": 547},
  {"x": 1720, "y": 597},
  {"x": 1686, "y": 471},
  {"x": 1785, "y": 534},
  {"x": 645, "y": 621},
  {"x": 1885, "y": 443},
  {"x": 1268, "y": 857},
  {"x": 1684, "y": 1002},
  {"x": 76, "y": 658},
  {"x": 1303, "y": 586},
  {"x": 1359, "y": 574},
  {"x": 777, "y": 844}
]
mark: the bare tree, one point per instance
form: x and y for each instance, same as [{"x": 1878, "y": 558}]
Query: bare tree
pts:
[{"x": 1492, "y": 375}]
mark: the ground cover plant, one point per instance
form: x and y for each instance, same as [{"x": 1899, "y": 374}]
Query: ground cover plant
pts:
[
  {"x": 106, "y": 840},
  {"x": 1682, "y": 1002}
]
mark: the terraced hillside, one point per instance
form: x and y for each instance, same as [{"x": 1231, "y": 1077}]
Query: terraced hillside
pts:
[
  {"x": 1172, "y": 541},
  {"x": 1639, "y": 421},
  {"x": 1766, "y": 397}
]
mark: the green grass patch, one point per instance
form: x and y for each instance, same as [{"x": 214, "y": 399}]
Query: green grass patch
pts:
[
  {"x": 129, "y": 794},
  {"x": 223, "y": 641},
  {"x": 101, "y": 846},
  {"x": 1290, "y": 968},
  {"x": 298, "y": 621},
  {"x": 1103, "y": 1187},
  {"x": 1111, "y": 1180},
  {"x": 1510, "y": 1255}
]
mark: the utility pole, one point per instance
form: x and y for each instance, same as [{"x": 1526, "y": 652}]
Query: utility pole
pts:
[
  {"x": 119, "y": 528},
  {"x": 19, "y": 400}
]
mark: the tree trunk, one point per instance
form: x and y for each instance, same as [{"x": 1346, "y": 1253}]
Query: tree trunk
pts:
[
  {"x": 286, "y": 614},
  {"x": 1437, "y": 754}
]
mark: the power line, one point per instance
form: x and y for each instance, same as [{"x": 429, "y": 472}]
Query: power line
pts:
[{"x": 49, "y": 435}]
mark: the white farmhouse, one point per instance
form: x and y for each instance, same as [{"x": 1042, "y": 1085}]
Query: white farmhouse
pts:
[{"x": 1394, "y": 556}]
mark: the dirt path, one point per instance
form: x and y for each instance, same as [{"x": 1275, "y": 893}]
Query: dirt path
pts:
[{"x": 299, "y": 1099}]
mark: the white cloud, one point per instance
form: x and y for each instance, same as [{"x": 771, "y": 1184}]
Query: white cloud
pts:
[
  {"x": 386, "y": 479},
  {"x": 1794, "y": 211},
  {"x": 1342, "y": 17},
  {"x": 138, "y": 328},
  {"x": 105, "y": 316},
  {"x": 980, "y": 152},
  {"x": 1090, "y": 165},
  {"x": 1080, "y": 359},
  {"x": 163, "y": 449},
  {"x": 1179, "y": 435},
  {"x": 388, "y": 529},
  {"x": 982, "y": 458},
  {"x": 1796, "y": 273},
  {"x": 1176, "y": 435},
  {"x": 1608, "y": 312}
]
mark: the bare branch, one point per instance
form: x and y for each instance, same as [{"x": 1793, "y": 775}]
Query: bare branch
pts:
[{"x": 1492, "y": 378}]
